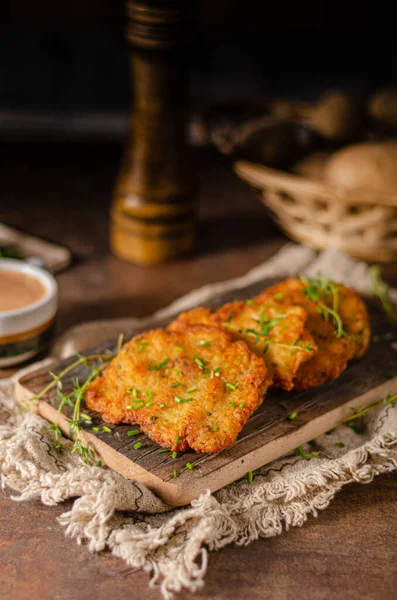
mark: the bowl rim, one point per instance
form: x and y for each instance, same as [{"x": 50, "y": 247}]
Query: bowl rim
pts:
[{"x": 49, "y": 282}]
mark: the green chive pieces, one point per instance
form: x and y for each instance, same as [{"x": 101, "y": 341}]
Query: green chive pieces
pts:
[
  {"x": 231, "y": 386},
  {"x": 133, "y": 432},
  {"x": 174, "y": 474},
  {"x": 340, "y": 444},
  {"x": 199, "y": 362},
  {"x": 278, "y": 296},
  {"x": 232, "y": 404},
  {"x": 163, "y": 405},
  {"x": 107, "y": 429},
  {"x": 162, "y": 450},
  {"x": 142, "y": 345},
  {"x": 179, "y": 348},
  {"x": 189, "y": 466},
  {"x": 174, "y": 455},
  {"x": 182, "y": 400},
  {"x": 138, "y": 445},
  {"x": 292, "y": 416},
  {"x": 205, "y": 344},
  {"x": 193, "y": 389},
  {"x": 250, "y": 477}
]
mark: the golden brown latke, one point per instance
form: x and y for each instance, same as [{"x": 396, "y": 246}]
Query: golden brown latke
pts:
[
  {"x": 193, "y": 387},
  {"x": 272, "y": 330},
  {"x": 355, "y": 319},
  {"x": 333, "y": 352}
]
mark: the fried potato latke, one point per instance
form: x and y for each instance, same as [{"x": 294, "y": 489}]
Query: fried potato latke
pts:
[
  {"x": 333, "y": 351},
  {"x": 355, "y": 319},
  {"x": 272, "y": 330},
  {"x": 189, "y": 388}
]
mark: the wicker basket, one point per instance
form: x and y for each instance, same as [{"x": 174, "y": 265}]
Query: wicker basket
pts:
[{"x": 316, "y": 214}]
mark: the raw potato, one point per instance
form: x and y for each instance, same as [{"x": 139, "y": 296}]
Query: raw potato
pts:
[
  {"x": 383, "y": 107},
  {"x": 368, "y": 166},
  {"x": 312, "y": 166},
  {"x": 335, "y": 117}
]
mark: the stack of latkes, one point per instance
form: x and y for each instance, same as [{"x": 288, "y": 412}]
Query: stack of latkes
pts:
[{"x": 196, "y": 383}]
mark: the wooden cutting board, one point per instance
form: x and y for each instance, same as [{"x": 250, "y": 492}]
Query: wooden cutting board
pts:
[{"x": 268, "y": 434}]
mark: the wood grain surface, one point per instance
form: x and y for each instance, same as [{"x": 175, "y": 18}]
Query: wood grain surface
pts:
[
  {"x": 267, "y": 435},
  {"x": 348, "y": 552}
]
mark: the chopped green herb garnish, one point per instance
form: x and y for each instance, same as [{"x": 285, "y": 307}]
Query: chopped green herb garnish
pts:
[
  {"x": 174, "y": 455},
  {"x": 292, "y": 416},
  {"x": 340, "y": 444},
  {"x": 215, "y": 429},
  {"x": 179, "y": 348},
  {"x": 250, "y": 302},
  {"x": 178, "y": 437},
  {"x": 178, "y": 384},
  {"x": 217, "y": 370},
  {"x": 230, "y": 386},
  {"x": 283, "y": 405},
  {"x": 148, "y": 403},
  {"x": 149, "y": 394},
  {"x": 241, "y": 405},
  {"x": 137, "y": 445},
  {"x": 193, "y": 389},
  {"x": 163, "y": 405},
  {"x": 133, "y": 432},
  {"x": 278, "y": 296},
  {"x": 174, "y": 474},
  {"x": 201, "y": 363},
  {"x": 98, "y": 463},
  {"x": 135, "y": 405},
  {"x": 230, "y": 317},
  {"x": 160, "y": 365},
  {"x": 106, "y": 429},
  {"x": 250, "y": 477},
  {"x": 300, "y": 452},
  {"x": 162, "y": 450},
  {"x": 142, "y": 345},
  {"x": 86, "y": 417},
  {"x": 232, "y": 404},
  {"x": 189, "y": 466},
  {"x": 95, "y": 429},
  {"x": 205, "y": 344},
  {"x": 134, "y": 392},
  {"x": 178, "y": 372},
  {"x": 182, "y": 400}
]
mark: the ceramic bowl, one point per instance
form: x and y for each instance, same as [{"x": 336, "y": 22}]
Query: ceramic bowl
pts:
[{"x": 28, "y": 331}]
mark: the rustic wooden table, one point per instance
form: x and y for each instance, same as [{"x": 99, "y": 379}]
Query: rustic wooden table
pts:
[{"x": 62, "y": 192}]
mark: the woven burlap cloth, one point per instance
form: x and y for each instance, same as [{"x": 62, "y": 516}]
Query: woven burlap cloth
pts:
[{"x": 109, "y": 512}]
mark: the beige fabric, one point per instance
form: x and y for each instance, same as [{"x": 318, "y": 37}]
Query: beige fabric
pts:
[{"x": 174, "y": 544}]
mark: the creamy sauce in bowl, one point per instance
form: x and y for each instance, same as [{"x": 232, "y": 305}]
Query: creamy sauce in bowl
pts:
[{"x": 18, "y": 290}]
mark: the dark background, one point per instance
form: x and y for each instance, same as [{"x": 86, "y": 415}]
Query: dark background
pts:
[{"x": 64, "y": 66}]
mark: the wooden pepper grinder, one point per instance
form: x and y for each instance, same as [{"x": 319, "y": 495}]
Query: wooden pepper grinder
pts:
[{"x": 153, "y": 212}]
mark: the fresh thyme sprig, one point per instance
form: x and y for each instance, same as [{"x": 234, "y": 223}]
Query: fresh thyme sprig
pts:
[
  {"x": 361, "y": 412},
  {"x": 319, "y": 290},
  {"x": 74, "y": 400},
  {"x": 382, "y": 291}
]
